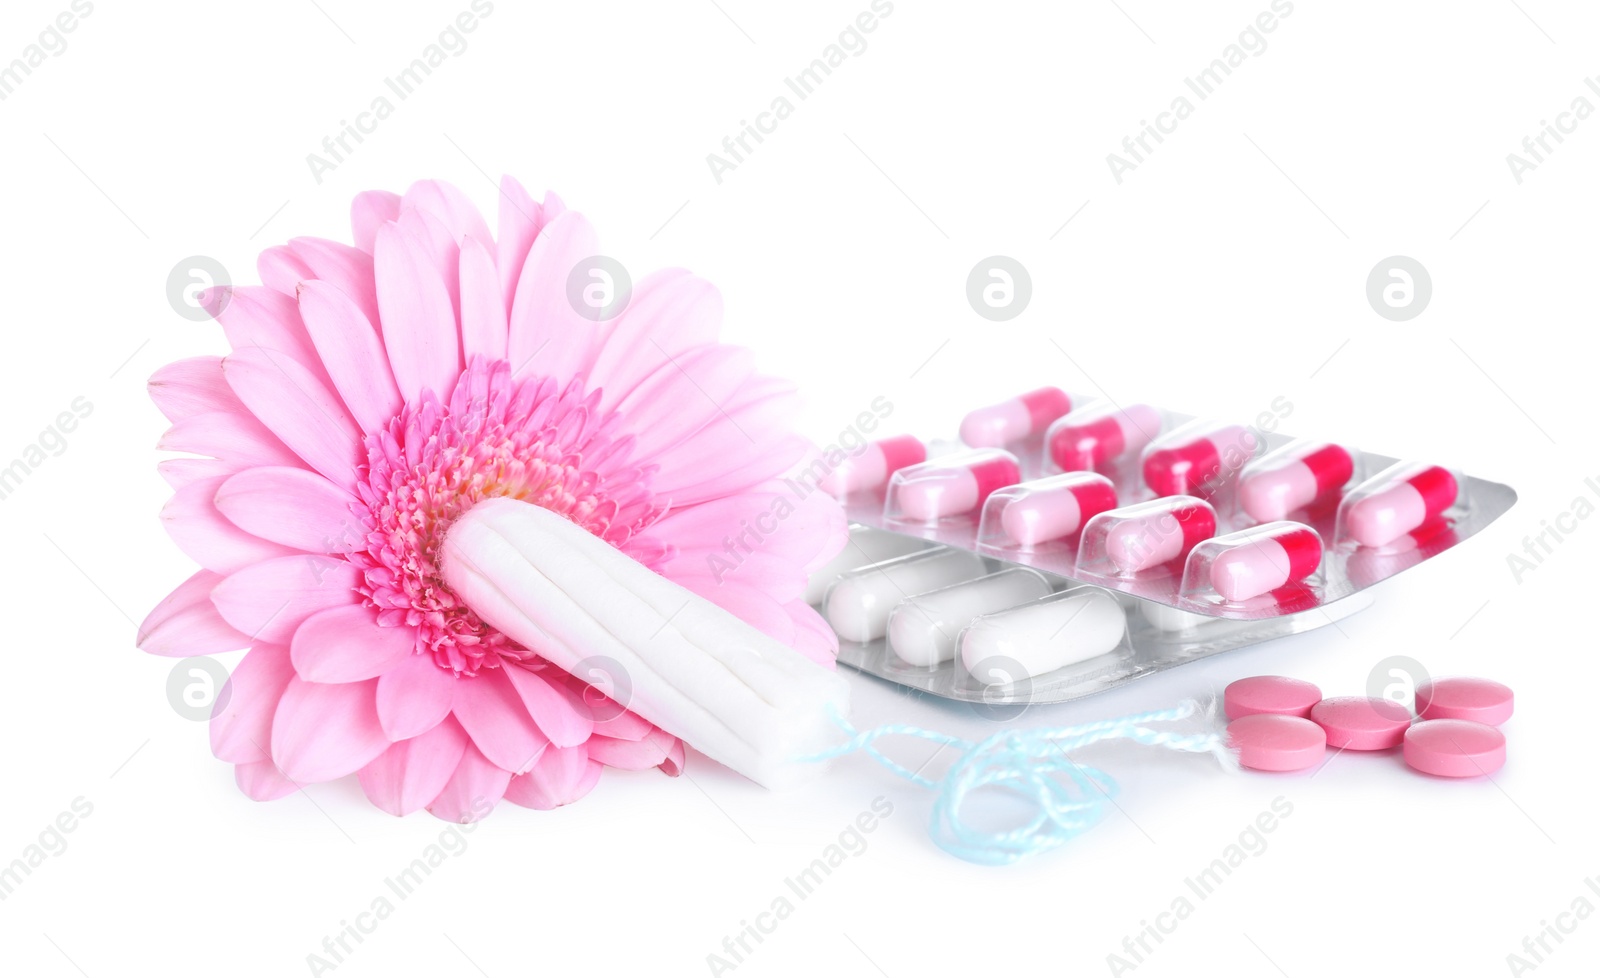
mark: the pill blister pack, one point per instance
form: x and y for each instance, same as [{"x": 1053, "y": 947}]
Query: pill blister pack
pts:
[{"x": 1065, "y": 545}]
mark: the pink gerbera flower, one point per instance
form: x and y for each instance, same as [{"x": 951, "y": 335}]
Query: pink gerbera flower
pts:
[{"x": 376, "y": 392}]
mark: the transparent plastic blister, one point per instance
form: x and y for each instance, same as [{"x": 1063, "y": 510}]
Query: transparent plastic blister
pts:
[{"x": 1181, "y": 575}]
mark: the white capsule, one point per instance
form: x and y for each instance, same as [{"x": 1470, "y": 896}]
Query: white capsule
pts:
[
  {"x": 858, "y": 604},
  {"x": 865, "y": 546},
  {"x": 922, "y": 630},
  {"x": 1043, "y": 636}
]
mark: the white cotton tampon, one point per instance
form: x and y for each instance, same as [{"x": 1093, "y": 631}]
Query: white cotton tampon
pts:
[
  {"x": 698, "y": 672},
  {"x": 1043, "y": 636}
]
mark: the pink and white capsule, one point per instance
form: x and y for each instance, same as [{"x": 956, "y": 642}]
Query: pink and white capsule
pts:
[
  {"x": 1416, "y": 496},
  {"x": 1094, "y": 436},
  {"x": 1057, "y": 507},
  {"x": 1014, "y": 419},
  {"x": 1154, "y": 535},
  {"x": 1265, "y": 559},
  {"x": 1197, "y": 458},
  {"x": 1293, "y": 478},
  {"x": 873, "y": 465},
  {"x": 953, "y": 485}
]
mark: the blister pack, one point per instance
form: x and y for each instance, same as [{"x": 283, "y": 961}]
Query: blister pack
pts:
[{"x": 1065, "y": 545}]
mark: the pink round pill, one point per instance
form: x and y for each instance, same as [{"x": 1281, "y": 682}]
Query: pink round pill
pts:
[
  {"x": 1464, "y": 698},
  {"x": 1269, "y": 694},
  {"x": 1362, "y": 722},
  {"x": 1274, "y": 742},
  {"x": 1455, "y": 748}
]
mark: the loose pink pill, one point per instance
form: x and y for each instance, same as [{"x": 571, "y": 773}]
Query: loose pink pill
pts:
[
  {"x": 1362, "y": 722},
  {"x": 1454, "y": 748},
  {"x": 1269, "y": 694},
  {"x": 1464, "y": 698},
  {"x": 1273, "y": 742}
]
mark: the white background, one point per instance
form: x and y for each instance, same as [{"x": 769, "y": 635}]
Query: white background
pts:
[{"x": 1227, "y": 270}]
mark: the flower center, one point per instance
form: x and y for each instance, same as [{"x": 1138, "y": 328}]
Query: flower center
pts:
[{"x": 497, "y": 436}]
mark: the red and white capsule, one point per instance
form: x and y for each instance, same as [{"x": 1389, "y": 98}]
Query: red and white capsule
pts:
[
  {"x": 873, "y": 465},
  {"x": 1057, "y": 507},
  {"x": 1265, "y": 558},
  {"x": 1397, "y": 501},
  {"x": 1157, "y": 532},
  {"x": 1197, "y": 458},
  {"x": 1092, "y": 437},
  {"x": 1292, "y": 478},
  {"x": 951, "y": 486},
  {"x": 1014, "y": 419}
]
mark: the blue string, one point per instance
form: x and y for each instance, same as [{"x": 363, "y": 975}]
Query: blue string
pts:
[{"x": 1068, "y": 798}]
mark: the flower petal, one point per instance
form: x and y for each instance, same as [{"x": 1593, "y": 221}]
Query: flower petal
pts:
[
  {"x": 298, "y": 408},
  {"x": 292, "y": 507},
  {"x": 180, "y": 472},
  {"x": 281, "y": 270},
  {"x": 346, "y": 644},
  {"x": 543, "y": 321},
  {"x": 557, "y": 717},
  {"x": 494, "y": 715},
  {"x": 562, "y": 776},
  {"x": 324, "y": 731},
  {"x": 193, "y": 386},
  {"x": 632, "y": 755},
  {"x": 671, "y": 311},
  {"x": 194, "y": 523},
  {"x": 413, "y": 772},
  {"x": 241, "y": 727},
  {"x": 673, "y": 765},
  {"x": 521, "y": 220},
  {"x": 473, "y": 790},
  {"x": 483, "y": 311},
  {"x": 369, "y": 212},
  {"x": 347, "y": 269},
  {"x": 255, "y": 315},
  {"x": 269, "y": 600},
  {"x": 418, "y": 320},
  {"x": 186, "y": 623},
  {"x": 451, "y": 208},
  {"x": 352, "y": 352},
  {"x": 232, "y": 436},
  {"x": 414, "y": 697},
  {"x": 263, "y": 781},
  {"x": 696, "y": 383}
]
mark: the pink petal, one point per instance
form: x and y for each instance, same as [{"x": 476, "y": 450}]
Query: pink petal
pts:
[
  {"x": 269, "y": 600},
  {"x": 696, "y": 383},
  {"x": 346, "y": 645},
  {"x": 321, "y": 732},
  {"x": 671, "y": 312},
  {"x": 292, "y": 507},
  {"x": 497, "y": 720},
  {"x": 721, "y": 468},
  {"x": 673, "y": 765},
  {"x": 558, "y": 718},
  {"x": 419, "y": 322},
  {"x": 632, "y": 755},
  {"x": 232, "y": 436},
  {"x": 813, "y": 638},
  {"x": 369, "y": 212},
  {"x": 543, "y": 321},
  {"x": 194, "y": 386},
  {"x": 241, "y": 730},
  {"x": 347, "y": 269},
  {"x": 193, "y": 522},
  {"x": 521, "y": 219},
  {"x": 186, "y": 623},
  {"x": 473, "y": 790},
  {"x": 414, "y": 697},
  {"x": 352, "y": 352},
  {"x": 180, "y": 472},
  {"x": 262, "y": 781},
  {"x": 562, "y": 776},
  {"x": 483, "y": 311},
  {"x": 255, "y": 315},
  {"x": 299, "y": 409},
  {"x": 451, "y": 208},
  {"x": 281, "y": 271},
  {"x": 441, "y": 251},
  {"x": 413, "y": 772}
]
